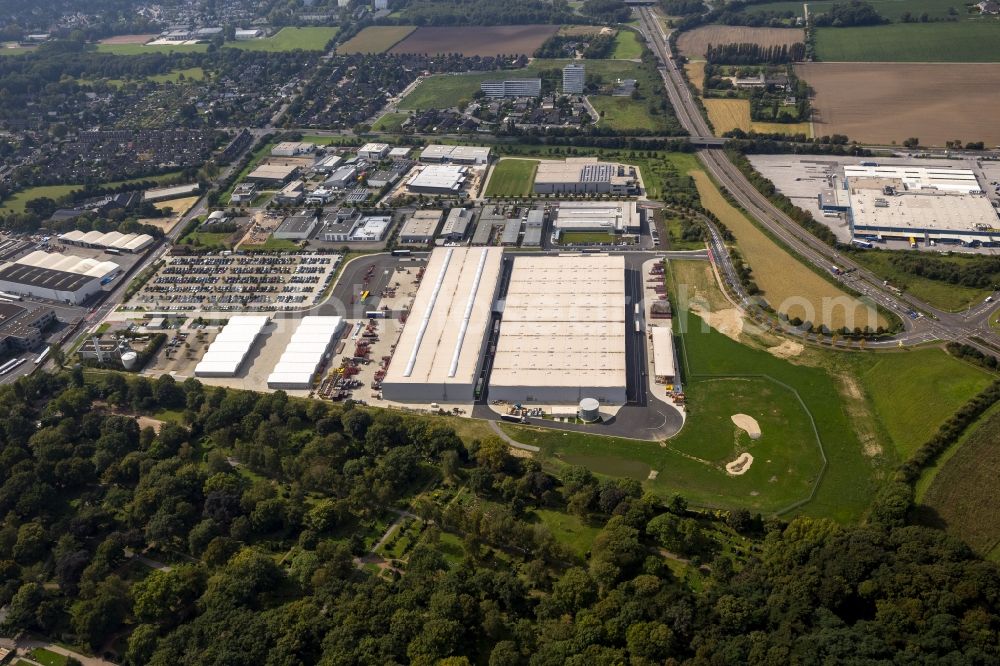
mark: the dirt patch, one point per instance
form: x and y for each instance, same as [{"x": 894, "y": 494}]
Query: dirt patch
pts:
[
  {"x": 477, "y": 40},
  {"x": 890, "y": 102},
  {"x": 740, "y": 465},
  {"x": 128, "y": 39},
  {"x": 729, "y": 322},
  {"x": 146, "y": 422},
  {"x": 694, "y": 43},
  {"x": 747, "y": 424},
  {"x": 653, "y": 474},
  {"x": 787, "y": 349},
  {"x": 519, "y": 453}
]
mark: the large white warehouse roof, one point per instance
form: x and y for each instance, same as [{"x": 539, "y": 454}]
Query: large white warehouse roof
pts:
[
  {"x": 229, "y": 349},
  {"x": 69, "y": 263},
  {"x": 439, "y": 351},
  {"x": 305, "y": 351},
  {"x": 562, "y": 337}
]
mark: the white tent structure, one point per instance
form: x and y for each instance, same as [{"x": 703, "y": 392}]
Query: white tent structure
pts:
[
  {"x": 306, "y": 350},
  {"x": 230, "y": 348}
]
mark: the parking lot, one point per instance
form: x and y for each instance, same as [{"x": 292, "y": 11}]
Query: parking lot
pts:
[{"x": 237, "y": 282}]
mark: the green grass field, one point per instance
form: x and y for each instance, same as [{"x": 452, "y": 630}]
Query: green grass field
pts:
[
  {"x": 376, "y": 39},
  {"x": 585, "y": 237},
  {"x": 627, "y": 46},
  {"x": 141, "y": 49},
  {"x": 287, "y": 39},
  {"x": 15, "y": 203},
  {"x": 48, "y": 657},
  {"x": 942, "y": 295},
  {"x": 209, "y": 239},
  {"x": 915, "y": 391},
  {"x": 995, "y": 319},
  {"x": 966, "y": 41},
  {"x": 624, "y": 113},
  {"x": 313, "y": 38},
  {"x": 390, "y": 122},
  {"x": 512, "y": 178},
  {"x": 189, "y": 74},
  {"x": 568, "y": 529},
  {"x": 890, "y": 9},
  {"x": 964, "y": 491},
  {"x": 726, "y": 378}
]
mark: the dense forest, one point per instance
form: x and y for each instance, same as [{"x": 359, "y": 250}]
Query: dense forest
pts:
[
  {"x": 981, "y": 271},
  {"x": 485, "y": 12},
  {"x": 853, "y": 13},
  {"x": 266, "y": 507}
]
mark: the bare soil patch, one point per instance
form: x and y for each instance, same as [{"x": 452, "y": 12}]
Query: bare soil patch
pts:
[
  {"x": 740, "y": 465},
  {"x": 747, "y": 424},
  {"x": 729, "y": 322},
  {"x": 890, "y": 102},
  {"x": 694, "y": 43},
  {"x": 787, "y": 349},
  {"x": 476, "y": 40}
]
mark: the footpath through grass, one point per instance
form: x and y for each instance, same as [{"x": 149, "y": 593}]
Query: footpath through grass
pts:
[
  {"x": 961, "y": 41},
  {"x": 512, "y": 177},
  {"x": 914, "y": 392}
]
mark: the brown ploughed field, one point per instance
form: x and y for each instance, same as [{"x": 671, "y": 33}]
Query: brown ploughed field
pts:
[
  {"x": 890, "y": 102},
  {"x": 694, "y": 43},
  {"x": 477, "y": 40}
]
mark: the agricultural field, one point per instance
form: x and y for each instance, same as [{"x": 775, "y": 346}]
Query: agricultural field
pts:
[
  {"x": 788, "y": 286},
  {"x": 730, "y": 114},
  {"x": 942, "y": 295},
  {"x": 512, "y": 177},
  {"x": 694, "y": 43},
  {"x": 313, "y": 38},
  {"x": 376, "y": 39},
  {"x": 725, "y": 378},
  {"x": 627, "y": 46},
  {"x": 888, "y": 103},
  {"x": 695, "y": 70},
  {"x": 476, "y": 40},
  {"x": 965, "y": 41},
  {"x": 963, "y": 493},
  {"x": 890, "y": 9},
  {"x": 914, "y": 392}
]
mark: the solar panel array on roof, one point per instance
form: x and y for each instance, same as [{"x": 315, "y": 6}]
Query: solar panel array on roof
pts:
[{"x": 229, "y": 349}]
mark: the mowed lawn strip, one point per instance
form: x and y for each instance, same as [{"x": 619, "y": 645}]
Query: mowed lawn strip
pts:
[
  {"x": 512, "y": 177},
  {"x": 376, "y": 39},
  {"x": 627, "y": 46},
  {"x": 960, "y": 41},
  {"x": 786, "y": 284},
  {"x": 964, "y": 494},
  {"x": 915, "y": 391}
]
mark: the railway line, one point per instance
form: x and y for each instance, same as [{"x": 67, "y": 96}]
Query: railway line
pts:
[{"x": 922, "y": 323}]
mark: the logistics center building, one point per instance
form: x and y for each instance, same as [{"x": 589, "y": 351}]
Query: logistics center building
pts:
[
  {"x": 440, "y": 352},
  {"x": 562, "y": 336}
]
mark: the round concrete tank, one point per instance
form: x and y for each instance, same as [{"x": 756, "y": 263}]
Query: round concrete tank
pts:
[
  {"x": 589, "y": 410},
  {"x": 128, "y": 359}
]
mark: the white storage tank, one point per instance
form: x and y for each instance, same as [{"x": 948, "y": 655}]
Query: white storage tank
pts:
[
  {"x": 129, "y": 359},
  {"x": 589, "y": 410}
]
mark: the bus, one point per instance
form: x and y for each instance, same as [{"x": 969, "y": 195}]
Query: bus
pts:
[
  {"x": 513, "y": 418},
  {"x": 863, "y": 243},
  {"x": 637, "y": 328},
  {"x": 376, "y": 314},
  {"x": 402, "y": 253}
]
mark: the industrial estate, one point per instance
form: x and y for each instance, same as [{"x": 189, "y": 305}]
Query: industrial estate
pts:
[{"x": 410, "y": 332}]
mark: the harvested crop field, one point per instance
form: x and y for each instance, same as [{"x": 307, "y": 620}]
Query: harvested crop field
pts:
[
  {"x": 730, "y": 114},
  {"x": 477, "y": 40},
  {"x": 694, "y": 43},
  {"x": 376, "y": 39},
  {"x": 128, "y": 39},
  {"x": 787, "y": 285},
  {"x": 890, "y": 102}
]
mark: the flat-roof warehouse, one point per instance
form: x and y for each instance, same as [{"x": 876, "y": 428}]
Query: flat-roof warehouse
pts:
[
  {"x": 562, "y": 336},
  {"x": 440, "y": 351},
  {"x": 54, "y": 285}
]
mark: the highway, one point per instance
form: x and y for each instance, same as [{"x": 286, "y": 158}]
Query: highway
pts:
[{"x": 922, "y": 322}]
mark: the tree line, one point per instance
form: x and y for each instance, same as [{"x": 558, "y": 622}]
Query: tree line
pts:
[{"x": 751, "y": 53}]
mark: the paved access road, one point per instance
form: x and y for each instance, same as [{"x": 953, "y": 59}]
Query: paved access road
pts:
[{"x": 922, "y": 322}]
